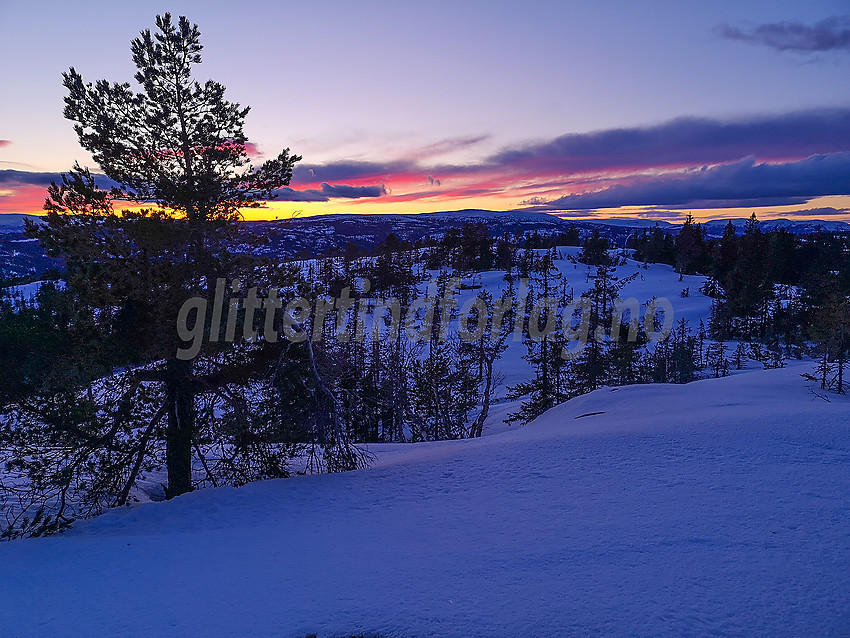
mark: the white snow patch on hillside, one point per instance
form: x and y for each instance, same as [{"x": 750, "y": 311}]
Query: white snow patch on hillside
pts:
[
  {"x": 657, "y": 280},
  {"x": 718, "y": 507}
]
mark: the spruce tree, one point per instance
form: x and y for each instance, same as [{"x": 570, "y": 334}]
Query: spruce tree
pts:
[
  {"x": 691, "y": 249},
  {"x": 594, "y": 251},
  {"x": 592, "y": 368},
  {"x": 543, "y": 353},
  {"x": 716, "y": 359}
]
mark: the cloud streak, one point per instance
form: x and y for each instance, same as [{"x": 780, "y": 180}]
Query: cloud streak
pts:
[
  {"x": 823, "y": 211},
  {"x": 830, "y": 34},
  {"x": 678, "y": 143},
  {"x": 10, "y": 176},
  {"x": 326, "y": 192},
  {"x": 444, "y": 147},
  {"x": 741, "y": 183},
  {"x": 350, "y": 171},
  {"x": 686, "y": 142}
]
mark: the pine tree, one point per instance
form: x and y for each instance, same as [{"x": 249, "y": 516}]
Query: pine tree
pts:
[
  {"x": 674, "y": 359},
  {"x": 481, "y": 354},
  {"x": 683, "y": 357},
  {"x": 177, "y": 150},
  {"x": 740, "y": 357},
  {"x": 831, "y": 329},
  {"x": 626, "y": 354}
]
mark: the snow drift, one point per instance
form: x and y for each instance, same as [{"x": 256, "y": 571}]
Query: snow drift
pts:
[{"x": 718, "y": 507}]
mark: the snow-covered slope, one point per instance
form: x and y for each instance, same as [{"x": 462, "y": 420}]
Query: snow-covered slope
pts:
[
  {"x": 658, "y": 280},
  {"x": 720, "y": 507},
  {"x": 14, "y": 222}
]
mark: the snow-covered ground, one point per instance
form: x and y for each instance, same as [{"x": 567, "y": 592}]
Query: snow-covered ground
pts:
[
  {"x": 715, "y": 508},
  {"x": 28, "y": 292},
  {"x": 657, "y": 280}
]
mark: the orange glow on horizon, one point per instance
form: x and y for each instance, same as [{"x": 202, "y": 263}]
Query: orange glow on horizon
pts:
[
  {"x": 29, "y": 200},
  {"x": 286, "y": 210}
]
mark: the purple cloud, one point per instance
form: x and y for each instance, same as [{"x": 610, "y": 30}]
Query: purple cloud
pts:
[
  {"x": 677, "y": 143},
  {"x": 30, "y": 178},
  {"x": 741, "y": 183},
  {"x": 10, "y": 176},
  {"x": 344, "y": 171},
  {"x": 686, "y": 142},
  {"x": 823, "y": 211},
  {"x": 830, "y": 34},
  {"x": 330, "y": 191}
]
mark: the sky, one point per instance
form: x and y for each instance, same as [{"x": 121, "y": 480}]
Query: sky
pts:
[{"x": 651, "y": 109}]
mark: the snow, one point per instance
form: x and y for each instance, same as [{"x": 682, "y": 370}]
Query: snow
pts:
[
  {"x": 14, "y": 222},
  {"x": 657, "y": 280},
  {"x": 718, "y": 507},
  {"x": 28, "y": 292}
]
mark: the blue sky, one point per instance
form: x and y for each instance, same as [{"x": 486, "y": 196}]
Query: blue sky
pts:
[{"x": 403, "y": 107}]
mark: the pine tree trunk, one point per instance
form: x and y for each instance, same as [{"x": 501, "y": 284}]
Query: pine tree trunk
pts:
[{"x": 181, "y": 422}]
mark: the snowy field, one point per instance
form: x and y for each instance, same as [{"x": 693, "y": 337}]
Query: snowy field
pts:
[
  {"x": 657, "y": 280},
  {"x": 715, "y": 508}
]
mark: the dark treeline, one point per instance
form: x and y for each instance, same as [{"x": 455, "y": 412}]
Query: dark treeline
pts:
[
  {"x": 781, "y": 290},
  {"x": 470, "y": 246}
]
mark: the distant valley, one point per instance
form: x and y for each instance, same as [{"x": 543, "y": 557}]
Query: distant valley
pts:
[{"x": 21, "y": 258}]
